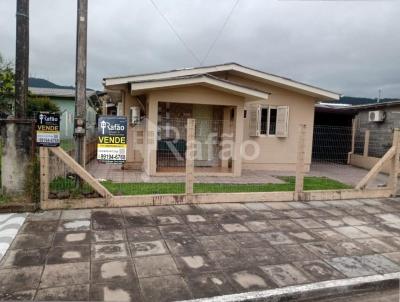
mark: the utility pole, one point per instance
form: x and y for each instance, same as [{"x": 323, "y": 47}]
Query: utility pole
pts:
[
  {"x": 22, "y": 58},
  {"x": 80, "y": 81}
]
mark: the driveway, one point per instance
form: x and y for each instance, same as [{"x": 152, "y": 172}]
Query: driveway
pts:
[{"x": 169, "y": 253}]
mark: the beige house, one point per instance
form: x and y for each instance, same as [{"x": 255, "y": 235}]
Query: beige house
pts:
[{"x": 245, "y": 119}]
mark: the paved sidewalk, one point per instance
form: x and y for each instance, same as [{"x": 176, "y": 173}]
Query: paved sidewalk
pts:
[
  {"x": 9, "y": 226},
  {"x": 170, "y": 253}
]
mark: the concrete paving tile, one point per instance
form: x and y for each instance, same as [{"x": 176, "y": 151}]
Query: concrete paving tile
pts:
[
  {"x": 248, "y": 216},
  {"x": 139, "y": 221},
  {"x": 19, "y": 279},
  {"x": 334, "y": 211},
  {"x": 247, "y": 240},
  {"x": 284, "y": 225},
  {"x": 372, "y": 210},
  {"x": 155, "y": 266},
  {"x": 112, "y": 271},
  {"x": 328, "y": 235},
  {"x": 74, "y": 225},
  {"x": 354, "y": 220},
  {"x": 209, "y": 285},
  {"x": 148, "y": 248},
  {"x": 322, "y": 249},
  {"x": 164, "y": 289},
  {"x": 271, "y": 214},
  {"x": 71, "y": 238},
  {"x": 175, "y": 230},
  {"x": 353, "y": 202},
  {"x": 234, "y": 207},
  {"x": 294, "y": 214},
  {"x": 389, "y": 218},
  {"x": 301, "y": 237},
  {"x": 234, "y": 227},
  {"x": 165, "y": 220},
  {"x": 256, "y": 206},
  {"x": 228, "y": 217},
  {"x": 21, "y": 258},
  {"x": 32, "y": 241},
  {"x": 64, "y": 293},
  {"x": 393, "y": 228},
  {"x": 26, "y": 295},
  {"x": 107, "y": 219},
  {"x": 392, "y": 241},
  {"x": 284, "y": 274},
  {"x": 140, "y": 234},
  {"x": 314, "y": 213},
  {"x": 227, "y": 259},
  {"x": 263, "y": 255},
  {"x": 211, "y": 208},
  {"x": 38, "y": 227},
  {"x": 56, "y": 275},
  {"x": 218, "y": 242},
  {"x": 107, "y": 236},
  {"x": 318, "y": 270},
  {"x": 299, "y": 205},
  {"x": 350, "y": 248},
  {"x": 76, "y": 214},
  {"x": 351, "y": 267},
  {"x": 250, "y": 279},
  {"x": 373, "y": 231},
  {"x": 354, "y": 211},
  {"x": 376, "y": 245},
  {"x": 44, "y": 216},
  {"x": 162, "y": 210},
  {"x": 185, "y": 209},
  {"x": 109, "y": 251},
  {"x": 135, "y": 211},
  {"x": 294, "y": 252},
  {"x": 276, "y": 205},
  {"x": 259, "y": 226},
  {"x": 206, "y": 229},
  {"x": 195, "y": 264},
  {"x": 351, "y": 232},
  {"x": 371, "y": 202},
  {"x": 117, "y": 292},
  {"x": 275, "y": 238},
  {"x": 379, "y": 264},
  {"x": 184, "y": 245},
  {"x": 70, "y": 253},
  {"x": 331, "y": 222},
  {"x": 308, "y": 223},
  {"x": 318, "y": 204},
  {"x": 395, "y": 257},
  {"x": 195, "y": 218}
]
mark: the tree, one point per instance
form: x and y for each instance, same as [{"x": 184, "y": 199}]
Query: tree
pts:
[{"x": 7, "y": 91}]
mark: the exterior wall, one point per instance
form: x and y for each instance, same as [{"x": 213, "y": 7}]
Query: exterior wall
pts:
[{"x": 280, "y": 153}]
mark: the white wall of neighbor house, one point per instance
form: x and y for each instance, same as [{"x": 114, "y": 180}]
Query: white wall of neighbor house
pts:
[{"x": 279, "y": 153}]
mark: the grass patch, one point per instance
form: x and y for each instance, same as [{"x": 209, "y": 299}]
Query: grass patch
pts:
[
  {"x": 67, "y": 144},
  {"x": 310, "y": 183},
  {"x": 69, "y": 185}
]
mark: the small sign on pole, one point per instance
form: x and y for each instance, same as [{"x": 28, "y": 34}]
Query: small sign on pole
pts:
[
  {"x": 47, "y": 129},
  {"x": 111, "y": 142}
]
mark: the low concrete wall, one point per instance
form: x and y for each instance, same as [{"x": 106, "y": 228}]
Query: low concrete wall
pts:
[{"x": 367, "y": 162}]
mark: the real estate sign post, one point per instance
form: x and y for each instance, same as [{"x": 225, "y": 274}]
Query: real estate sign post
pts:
[
  {"x": 47, "y": 129},
  {"x": 111, "y": 143}
]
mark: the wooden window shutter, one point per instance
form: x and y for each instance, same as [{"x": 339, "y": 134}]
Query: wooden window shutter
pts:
[
  {"x": 254, "y": 115},
  {"x": 282, "y": 121}
]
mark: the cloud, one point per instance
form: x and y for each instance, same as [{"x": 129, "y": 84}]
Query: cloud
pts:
[{"x": 347, "y": 46}]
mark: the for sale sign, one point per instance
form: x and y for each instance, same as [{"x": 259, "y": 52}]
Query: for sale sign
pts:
[
  {"x": 47, "y": 129},
  {"x": 111, "y": 143}
]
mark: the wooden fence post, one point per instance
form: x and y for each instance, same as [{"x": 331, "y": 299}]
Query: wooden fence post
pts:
[
  {"x": 366, "y": 143},
  {"x": 44, "y": 173},
  {"x": 394, "y": 168},
  {"x": 190, "y": 149},
  {"x": 300, "y": 162},
  {"x": 353, "y": 139}
]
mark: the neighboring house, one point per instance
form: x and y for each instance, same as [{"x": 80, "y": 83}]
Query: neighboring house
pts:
[
  {"x": 65, "y": 99},
  {"x": 239, "y": 105}
]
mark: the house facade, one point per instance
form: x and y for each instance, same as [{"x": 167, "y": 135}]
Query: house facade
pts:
[{"x": 245, "y": 119}]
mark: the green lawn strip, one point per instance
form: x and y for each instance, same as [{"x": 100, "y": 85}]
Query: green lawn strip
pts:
[
  {"x": 67, "y": 144},
  {"x": 310, "y": 183},
  {"x": 65, "y": 184}
]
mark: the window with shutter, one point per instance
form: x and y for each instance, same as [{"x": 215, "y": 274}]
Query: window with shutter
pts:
[
  {"x": 282, "y": 121},
  {"x": 254, "y": 120}
]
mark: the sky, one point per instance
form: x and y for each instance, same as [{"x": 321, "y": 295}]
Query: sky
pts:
[{"x": 350, "y": 47}]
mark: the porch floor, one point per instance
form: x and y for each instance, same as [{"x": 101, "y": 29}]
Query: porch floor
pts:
[{"x": 344, "y": 173}]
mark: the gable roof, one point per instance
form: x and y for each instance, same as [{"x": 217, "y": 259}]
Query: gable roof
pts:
[
  {"x": 231, "y": 67},
  {"x": 202, "y": 79}
]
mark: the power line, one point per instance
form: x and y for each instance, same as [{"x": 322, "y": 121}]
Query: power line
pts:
[
  {"x": 175, "y": 32},
  {"x": 235, "y": 4}
]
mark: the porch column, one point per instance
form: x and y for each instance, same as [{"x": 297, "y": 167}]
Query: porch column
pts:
[
  {"x": 239, "y": 124},
  {"x": 226, "y": 131},
  {"x": 151, "y": 132}
]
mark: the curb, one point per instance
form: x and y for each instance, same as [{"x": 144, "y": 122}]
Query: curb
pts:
[{"x": 325, "y": 289}]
